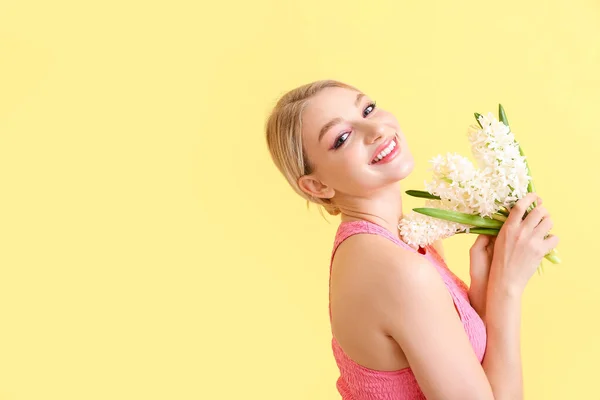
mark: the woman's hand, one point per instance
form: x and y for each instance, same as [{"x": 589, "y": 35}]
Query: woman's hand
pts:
[
  {"x": 520, "y": 246},
  {"x": 481, "y": 255}
]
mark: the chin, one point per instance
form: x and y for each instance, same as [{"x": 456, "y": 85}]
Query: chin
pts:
[{"x": 404, "y": 169}]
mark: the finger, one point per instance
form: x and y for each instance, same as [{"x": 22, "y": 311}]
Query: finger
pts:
[
  {"x": 481, "y": 242},
  {"x": 550, "y": 243},
  {"x": 543, "y": 228},
  {"x": 518, "y": 211},
  {"x": 534, "y": 218}
]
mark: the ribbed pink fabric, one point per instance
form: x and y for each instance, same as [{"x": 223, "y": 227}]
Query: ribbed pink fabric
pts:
[{"x": 357, "y": 382}]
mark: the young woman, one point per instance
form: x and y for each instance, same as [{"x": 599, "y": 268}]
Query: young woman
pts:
[{"x": 403, "y": 325}]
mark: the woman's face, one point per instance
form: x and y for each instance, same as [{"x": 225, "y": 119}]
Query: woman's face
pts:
[{"x": 345, "y": 135}]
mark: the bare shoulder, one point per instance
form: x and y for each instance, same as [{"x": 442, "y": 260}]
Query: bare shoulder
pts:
[
  {"x": 381, "y": 259},
  {"x": 376, "y": 271}
]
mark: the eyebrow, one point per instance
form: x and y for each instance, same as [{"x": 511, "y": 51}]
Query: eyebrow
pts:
[{"x": 334, "y": 121}]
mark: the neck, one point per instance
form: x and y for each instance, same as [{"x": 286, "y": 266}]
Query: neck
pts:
[{"x": 383, "y": 208}]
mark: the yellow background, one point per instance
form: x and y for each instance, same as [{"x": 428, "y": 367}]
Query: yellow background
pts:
[{"x": 149, "y": 249}]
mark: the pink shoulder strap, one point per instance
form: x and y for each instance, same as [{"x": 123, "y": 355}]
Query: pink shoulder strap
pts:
[{"x": 347, "y": 229}]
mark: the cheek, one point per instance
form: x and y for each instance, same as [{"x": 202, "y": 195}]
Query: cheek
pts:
[
  {"x": 353, "y": 172},
  {"x": 355, "y": 160},
  {"x": 391, "y": 121}
]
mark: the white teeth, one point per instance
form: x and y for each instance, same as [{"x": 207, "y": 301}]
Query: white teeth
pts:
[{"x": 386, "y": 151}]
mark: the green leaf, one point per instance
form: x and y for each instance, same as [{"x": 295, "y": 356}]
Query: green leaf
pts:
[
  {"x": 530, "y": 187},
  {"x": 422, "y": 194},
  {"x": 504, "y": 119},
  {"x": 461, "y": 218},
  {"x": 484, "y": 231},
  {"x": 502, "y": 115}
]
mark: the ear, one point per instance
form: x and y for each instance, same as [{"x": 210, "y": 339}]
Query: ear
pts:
[{"x": 314, "y": 187}]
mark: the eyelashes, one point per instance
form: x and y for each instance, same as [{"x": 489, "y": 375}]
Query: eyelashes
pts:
[
  {"x": 372, "y": 104},
  {"x": 340, "y": 140}
]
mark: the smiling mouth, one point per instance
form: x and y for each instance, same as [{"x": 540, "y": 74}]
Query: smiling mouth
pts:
[{"x": 386, "y": 151}]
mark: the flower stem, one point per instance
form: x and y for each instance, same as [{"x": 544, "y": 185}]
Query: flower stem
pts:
[
  {"x": 499, "y": 217},
  {"x": 482, "y": 231},
  {"x": 504, "y": 211},
  {"x": 552, "y": 257}
]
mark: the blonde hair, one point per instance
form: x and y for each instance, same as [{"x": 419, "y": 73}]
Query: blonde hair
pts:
[{"x": 284, "y": 137}]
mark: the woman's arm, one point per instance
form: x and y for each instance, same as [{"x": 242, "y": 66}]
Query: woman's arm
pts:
[
  {"x": 502, "y": 361},
  {"x": 420, "y": 316}
]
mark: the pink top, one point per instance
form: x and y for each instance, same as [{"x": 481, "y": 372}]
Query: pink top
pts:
[{"x": 360, "y": 383}]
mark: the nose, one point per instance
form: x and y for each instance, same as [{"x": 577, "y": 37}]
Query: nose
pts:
[{"x": 373, "y": 131}]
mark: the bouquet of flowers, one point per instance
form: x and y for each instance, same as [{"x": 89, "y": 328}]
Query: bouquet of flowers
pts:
[{"x": 464, "y": 198}]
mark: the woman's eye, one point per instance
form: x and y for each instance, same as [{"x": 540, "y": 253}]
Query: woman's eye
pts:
[
  {"x": 372, "y": 106},
  {"x": 340, "y": 140}
]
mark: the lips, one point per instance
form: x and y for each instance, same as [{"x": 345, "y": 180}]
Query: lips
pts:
[{"x": 382, "y": 147}]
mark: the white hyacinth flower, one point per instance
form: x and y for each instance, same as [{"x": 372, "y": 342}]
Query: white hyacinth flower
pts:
[
  {"x": 463, "y": 187},
  {"x": 499, "y": 179},
  {"x": 421, "y": 230},
  {"x": 473, "y": 194},
  {"x": 495, "y": 149}
]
